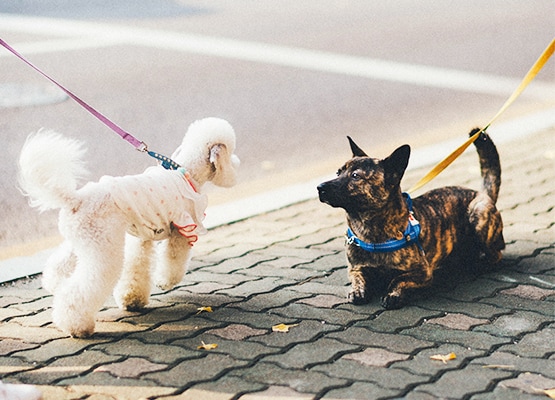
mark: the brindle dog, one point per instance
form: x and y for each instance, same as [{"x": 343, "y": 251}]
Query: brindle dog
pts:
[{"x": 453, "y": 221}]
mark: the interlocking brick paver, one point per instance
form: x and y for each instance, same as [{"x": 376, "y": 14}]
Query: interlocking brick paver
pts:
[
  {"x": 269, "y": 269},
  {"x": 297, "y": 379},
  {"x": 11, "y": 365},
  {"x": 11, "y": 346},
  {"x": 391, "y": 322},
  {"x": 263, "y": 285},
  {"x": 529, "y": 292},
  {"x": 520, "y": 248},
  {"x": 352, "y": 369},
  {"x": 376, "y": 357},
  {"x": 52, "y": 349},
  {"x": 334, "y": 316},
  {"x": 391, "y": 342},
  {"x": 207, "y": 287},
  {"x": 237, "y": 349},
  {"x": 476, "y": 289},
  {"x": 130, "y": 368},
  {"x": 238, "y": 264},
  {"x": 206, "y": 368},
  {"x": 63, "y": 367},
  {"x": 192, "y": 300},
  {"x": 510, "y": 302},
  {"x": 30, "y": 334},
  {"x": 200, "y": 394},
  {"x": 473, "y": 309},
  {"x": 305, "y": 354},
  {"x": 7, "y": 314},
  {"x": 222, "y": 388},
  {"x": 255, "y": 320},
  {"x": 288, "y": 266},
  {"x": 422, "y": 363},
  {"x": 103, "y": 392},
  {"x": 359, "y": 390},
  {"x": 323, "y": 301},
  {"x": 529, "y": 383},
  {"x": 106, "y": 380},
  {"x": 439, "y": 334},
  {"x": 266, "y": 301},
  {"x": 155, "y": 353},
  {"x": 509, "y": 361},
  {"x": 455, "y": 384},
  {"x": 457, "y": 321},
  {"x": 534, "y": 344},
  {"x": 515, "y": 324},
  {"x": 305, "y": 331},
  {"x": 168, "y": 332},
  {"x": 237, "y": 332},
  {"x": 276, "y": 392}
]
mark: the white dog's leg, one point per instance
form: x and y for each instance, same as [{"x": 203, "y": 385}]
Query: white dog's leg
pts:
[
  {"x": 99, "y": 251},
  {"x": 133, "y": 288},
  {"x": 59, "y": 267},
  {"x": 173, "y": 256}
]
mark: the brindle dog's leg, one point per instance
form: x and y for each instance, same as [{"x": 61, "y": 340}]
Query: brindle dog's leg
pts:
[
  {"x": 488, "y": 227},
  {"x": 365, "y": 282},
  {"x": 419, "y": 276},
  {"x": 359, "y": 293}
]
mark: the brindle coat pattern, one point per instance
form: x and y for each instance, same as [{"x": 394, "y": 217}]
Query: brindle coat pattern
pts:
[{"x": 454, "y": 221}]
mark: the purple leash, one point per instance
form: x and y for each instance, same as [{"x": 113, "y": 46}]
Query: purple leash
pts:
[{"x": 139, "y": 145}]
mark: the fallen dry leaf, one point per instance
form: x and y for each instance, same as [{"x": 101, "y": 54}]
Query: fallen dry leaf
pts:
[
  {"x": 444, "y": 357},
  {"x": 550, "y": 393},
  {"x": 207, "y": 346},
  {"x": 206, "y": 309},
  {"x": 282, "y": 327}
]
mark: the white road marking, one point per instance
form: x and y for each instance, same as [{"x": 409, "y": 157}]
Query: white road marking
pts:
[
  {"x": 59, "y": 45},
  {"x": 88, "y": 35}
]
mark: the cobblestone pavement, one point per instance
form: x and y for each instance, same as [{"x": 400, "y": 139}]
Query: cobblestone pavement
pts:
[{"x": 288, "y": 266}]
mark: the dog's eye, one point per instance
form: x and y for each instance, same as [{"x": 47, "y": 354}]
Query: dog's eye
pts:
[{"x": 356, "y": 176}]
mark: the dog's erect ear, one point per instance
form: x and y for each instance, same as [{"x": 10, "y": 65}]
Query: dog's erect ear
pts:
[
  {"x": 224, "y": 165},
  {"x": 397, "y": 162},
  {"x": 357, "y": 151}
]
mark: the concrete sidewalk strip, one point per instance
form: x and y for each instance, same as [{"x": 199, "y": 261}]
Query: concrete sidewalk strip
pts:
[{"x": 288, "y": 266}]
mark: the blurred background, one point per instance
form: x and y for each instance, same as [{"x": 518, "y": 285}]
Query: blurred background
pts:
[{"x": 292, "y": 77}]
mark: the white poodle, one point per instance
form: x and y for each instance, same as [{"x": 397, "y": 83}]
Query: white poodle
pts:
[{"x": 158, "y": 204}]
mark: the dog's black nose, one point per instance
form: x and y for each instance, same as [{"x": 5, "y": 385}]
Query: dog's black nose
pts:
[{"x": 322, "y": 194}]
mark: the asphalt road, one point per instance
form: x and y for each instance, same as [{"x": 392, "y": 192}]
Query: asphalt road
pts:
[{"x": 293, "y": 78}]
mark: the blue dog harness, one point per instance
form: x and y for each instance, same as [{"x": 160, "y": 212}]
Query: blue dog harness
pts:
[{"x": 410, "y": 236}]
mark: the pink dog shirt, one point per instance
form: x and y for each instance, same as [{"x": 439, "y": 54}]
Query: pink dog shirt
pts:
[{"x": 158, "y": 199}]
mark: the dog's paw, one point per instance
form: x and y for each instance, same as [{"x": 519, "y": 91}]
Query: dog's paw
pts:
[
  {"x": 131, "y": 301},
  {"x": 358, "y": 297},
  {"x": 134, "y": 305},
  {"x": 166, "y": 285},
  {"x": 77, "y": 327},
  {"x": 392, "y": 301}
]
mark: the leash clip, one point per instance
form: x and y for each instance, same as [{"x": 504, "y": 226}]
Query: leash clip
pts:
[{"x": 142, "y": 147}]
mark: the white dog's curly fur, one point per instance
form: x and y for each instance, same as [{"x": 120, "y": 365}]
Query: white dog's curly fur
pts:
[{"x": 97, "y": 256}]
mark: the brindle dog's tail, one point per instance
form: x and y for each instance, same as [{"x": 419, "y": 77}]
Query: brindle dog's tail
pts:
[{"x": 490, "y": 167}]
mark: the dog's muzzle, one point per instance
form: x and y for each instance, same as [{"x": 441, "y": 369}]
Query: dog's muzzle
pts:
[{"x": 323, "y": 192}]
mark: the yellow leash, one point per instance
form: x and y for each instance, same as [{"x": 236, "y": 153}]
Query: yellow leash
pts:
[{"x": 538, "y": 65}]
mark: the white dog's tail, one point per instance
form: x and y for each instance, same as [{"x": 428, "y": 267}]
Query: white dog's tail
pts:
[{"x": 50, "y": 166}]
